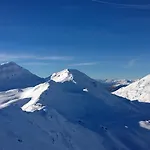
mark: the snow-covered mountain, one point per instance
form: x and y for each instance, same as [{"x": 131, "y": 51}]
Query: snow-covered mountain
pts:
[
  {"x": 139, "y": 90},
  {"x": 36, "y": 131},
  {"x": 115, "y": 84},
  {"x": 71, "y": 111},
  {"x": 14, "y": 76},
  {"x": 81, "y": 80}
]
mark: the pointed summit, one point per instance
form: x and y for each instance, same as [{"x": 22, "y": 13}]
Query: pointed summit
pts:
[
  {"x": 70, "y": 75},
  {"x": 9, "y": 63},
  {"x": 14, "y": 76},
  {"x": 81, "y": 80}
]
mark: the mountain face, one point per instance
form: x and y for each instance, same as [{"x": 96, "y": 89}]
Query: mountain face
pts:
[
  {"x": 139, "y": 90},
  {"x": 74, "y": 112},
  {"x": 14, "y": 76},
  {"x": 81, "y": 80},
  {"x": 36, "y": 131},
  {"x": 115, "y": 84},
  {"x": 68, "y": 82}
]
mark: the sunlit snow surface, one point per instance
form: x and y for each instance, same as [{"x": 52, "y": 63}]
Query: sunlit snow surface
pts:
[
  {"x": 145, "y": 124},
  {"x": 62, "y": 76},
  {"x": 139, "y": 90},
  {"x": 71, "y": 112}
]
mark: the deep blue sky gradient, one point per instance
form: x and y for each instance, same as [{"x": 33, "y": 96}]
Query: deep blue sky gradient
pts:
[{"x": 102, "y": 40}]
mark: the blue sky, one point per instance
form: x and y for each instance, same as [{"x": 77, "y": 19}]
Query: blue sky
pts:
[{"x": 104, "y": 39}]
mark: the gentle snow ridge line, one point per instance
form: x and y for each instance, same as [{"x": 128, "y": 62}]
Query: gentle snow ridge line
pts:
[{"x": 139, "y": 90}]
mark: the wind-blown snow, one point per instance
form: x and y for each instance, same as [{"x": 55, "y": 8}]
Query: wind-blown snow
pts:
[{"x": 139, "y": 90}]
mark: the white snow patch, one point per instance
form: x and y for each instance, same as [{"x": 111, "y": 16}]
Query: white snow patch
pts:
[
  {"x": 62, "y": 76},
  {"x": 85, "y": 90},
  {"x": 5, "y": 63},
  {"x": 139, "y": 90},
  {"x": 34, "y": 94},
  {"x": 145, "y": 124}
]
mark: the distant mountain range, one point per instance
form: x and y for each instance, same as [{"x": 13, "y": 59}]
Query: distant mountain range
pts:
[{"x": 115, "y": 84}]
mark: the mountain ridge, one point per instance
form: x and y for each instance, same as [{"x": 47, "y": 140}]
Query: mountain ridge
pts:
[
  {"x": 14, "y": 76},
  {"x": 71, "y": 111},
  {"x": 139, "y": 90}
]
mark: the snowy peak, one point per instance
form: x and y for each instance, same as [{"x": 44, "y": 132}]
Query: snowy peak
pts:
[
  {"x": 81, "y": 80},
  {"x": 62, "y": 76},
  {"x": 14, "y": 76},
  {"x": 70, "y": 75},
  {"x": 139, "y": 90},
  {"x": 11, "y": 70},
  {"x": 9, "y": 66},
  {"x": 8, "y": 63}
]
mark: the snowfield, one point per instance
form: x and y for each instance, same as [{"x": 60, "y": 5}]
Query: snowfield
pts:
[
  {"x": 71, "y": 111},
  {"x": 139, "y": 90},
  {"x": 37, "y": 131}
]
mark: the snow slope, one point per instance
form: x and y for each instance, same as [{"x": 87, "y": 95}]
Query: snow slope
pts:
[
  {"x": 68, "y": 120},
  {"x": 63, "y": 115},
  {"x": 14, "y": 76},
  {"x": 81, "y": 81},
  {"x": 87, "y": 123},
  {"x": 139, "y": 90},
  {"x": 55, "y": 131},
  {"x": 36, "y": 131}
]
